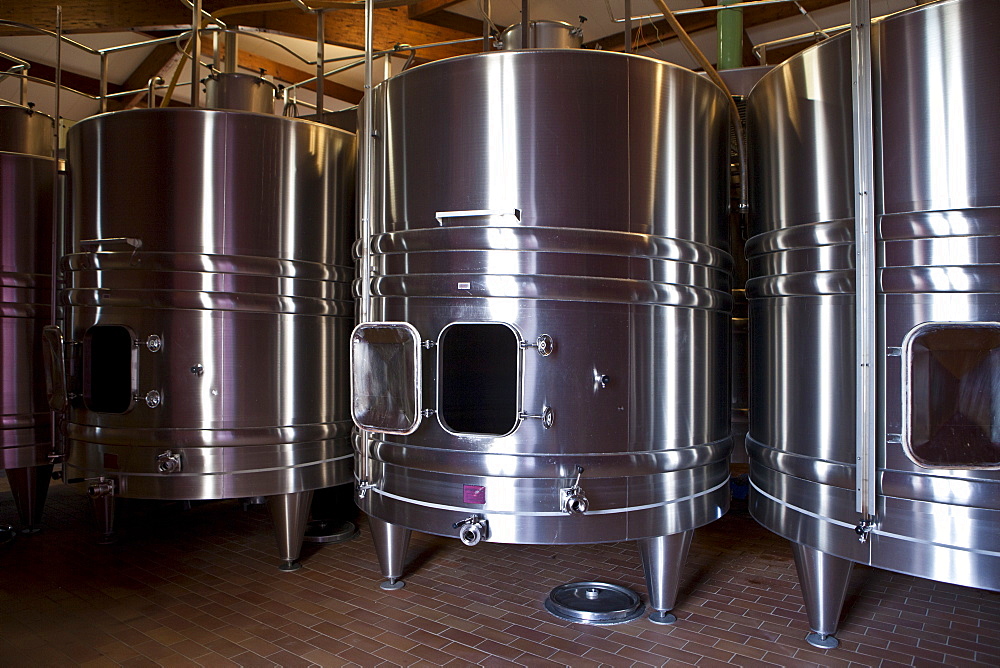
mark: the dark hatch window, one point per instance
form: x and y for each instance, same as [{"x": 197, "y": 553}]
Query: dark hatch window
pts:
[
  {"x": 478, "y": 379},
  {"x": 109, "y": 360},
  {"x": 954, "y": 396}
]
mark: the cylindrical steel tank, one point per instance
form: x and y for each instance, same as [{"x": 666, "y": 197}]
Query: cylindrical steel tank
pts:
[
  {"x": 543, "y": 34},
  {"x": 27, "y": 172},
  {"x": 552, "y": 276},
  {"x": 938, "y": 306},
  {"x": 239, "y": 92},
  {"x": 209, "y": 308}
]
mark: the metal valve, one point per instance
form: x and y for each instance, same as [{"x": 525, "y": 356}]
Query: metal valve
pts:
[
  {"x": 363, "y": 487},
  {"x": 865, "y": 526},
  {"x": 102, "y": 487},
  {"x": 168, "y": 462},
  {"x": 573, "y": 500},
  {"x": 473, "y": 529}
]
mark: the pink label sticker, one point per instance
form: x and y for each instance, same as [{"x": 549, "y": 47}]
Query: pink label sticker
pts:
[{"x": 473, "y": 494}]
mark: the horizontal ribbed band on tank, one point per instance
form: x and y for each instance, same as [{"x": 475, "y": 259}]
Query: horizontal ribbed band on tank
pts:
[
  {"x": 539, "y": 497},
  {"x": 557, "y": 288},
  {"x": 12, "y": 424},
  {"x": 941, "y": 251},
  {"x": 551, "y": 263},
  {"x": 525, "y": 465},
  {"x": 210, "y": 301},
  {"x": 20, "y": 309},
  {"x": 24, "y": 281},
  {"x": 553, "y": 240},
  {"x": 246, "y": 437},
  {"x": 235, "y": 482},
  {"x": 247, "y": 265},
  {"x": 809, "y": 260}
]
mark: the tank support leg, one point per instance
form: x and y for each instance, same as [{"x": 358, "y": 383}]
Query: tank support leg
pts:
[
  {"x": 823, "y": 579},
  {"x": 30, "y": 486},
  {"x": 290, "y": 513},
  {"x": 391, "y": 541},
  {"x": 662, "y": 560},
  {"x": 102, "y": 496}
]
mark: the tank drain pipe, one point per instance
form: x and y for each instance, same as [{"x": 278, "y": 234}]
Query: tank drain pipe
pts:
[
  {"x": 472, "y": 530},
  {"x": 714, "y": 76}
]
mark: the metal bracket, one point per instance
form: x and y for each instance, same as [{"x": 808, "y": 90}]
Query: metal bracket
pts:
[{"x": 363, "y": 487}]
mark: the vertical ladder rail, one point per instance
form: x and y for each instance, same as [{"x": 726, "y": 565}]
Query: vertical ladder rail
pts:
[{"x": 865, "y": 263}]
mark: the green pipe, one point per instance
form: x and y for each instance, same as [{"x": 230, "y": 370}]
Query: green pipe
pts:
[{"x": 730, "y": 30}]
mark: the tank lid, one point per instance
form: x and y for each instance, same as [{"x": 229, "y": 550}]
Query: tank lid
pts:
[
  {"x": 594, "y": 603},
  {"x": 544, "y": 34}
]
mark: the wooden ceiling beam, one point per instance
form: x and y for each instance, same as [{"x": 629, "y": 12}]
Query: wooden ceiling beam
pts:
[
  {"x": 433, "y": 11},
  {"x": 343, "y": 27}
]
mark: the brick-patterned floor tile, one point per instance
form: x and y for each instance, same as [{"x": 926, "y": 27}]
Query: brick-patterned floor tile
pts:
[{"x": 201, "y": 587}]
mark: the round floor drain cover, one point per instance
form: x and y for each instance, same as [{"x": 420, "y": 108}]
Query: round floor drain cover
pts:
[
  {"x": 594, "y": 603},
  {"x": 323, "y": 531}
]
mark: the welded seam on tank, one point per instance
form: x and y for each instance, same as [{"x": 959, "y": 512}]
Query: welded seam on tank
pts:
[
  {"x": 555, "y": 513},
  {"x": 877, "y": 531}
]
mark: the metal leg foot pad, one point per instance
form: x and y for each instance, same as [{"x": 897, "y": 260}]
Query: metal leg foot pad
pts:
[
  {"x": 822, "y": 641},
  {"x": 289, "y": 566},
  {"x": 662, "y": 617},
  {"x": 392, "y": 585}
]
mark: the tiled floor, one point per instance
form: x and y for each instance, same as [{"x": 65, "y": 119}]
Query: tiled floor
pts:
[{"x": 200, "y": 587}]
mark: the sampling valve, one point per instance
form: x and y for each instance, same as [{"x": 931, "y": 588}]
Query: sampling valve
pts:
[{"x": 573, "y": 500}]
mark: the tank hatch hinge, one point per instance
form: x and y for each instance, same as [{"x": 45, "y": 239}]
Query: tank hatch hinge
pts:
[
  {"x": 547, "y": 416},
  {"x": 865, "y": 526},
  {"x": 427, "y": 345},
  {"x": 428, "y": 412},
  {"x": 544, "y": 344},
  {"x": 573, "y": 500}
]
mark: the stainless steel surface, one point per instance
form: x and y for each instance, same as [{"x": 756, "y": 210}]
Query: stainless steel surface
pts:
[
  {"x": 662, "y": 557},
  {"x": 240, "y": 92},
  {"x": 391, "y": 541},
  {"x": 592, "y": 230},
  {"x": 597, "y": 603},
  {"x": 290, "y": 514},
  {"x": 740, "y": 81},
  {"x": 542, "y": 35},
  {"x": 27, "y": 171},
  {"x": 938, "y": 211},
  {"x": 824, "y": 580},
  {"x": 25, "y": 131},
  {"x": 209, "y": 304}
]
